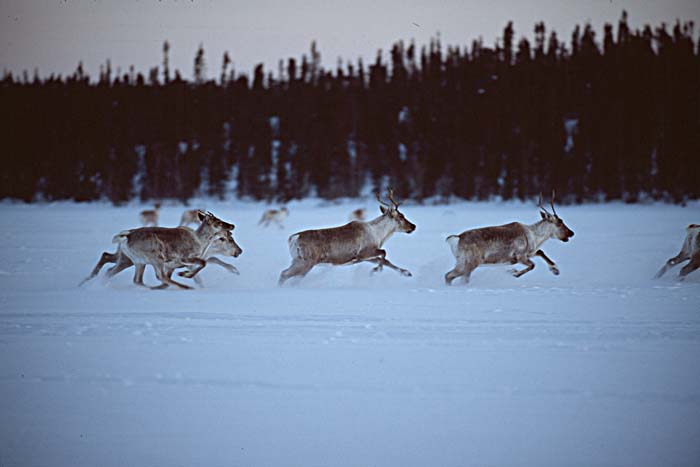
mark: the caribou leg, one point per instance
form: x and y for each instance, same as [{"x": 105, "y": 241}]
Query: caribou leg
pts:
[
  {"x": 164, "y": 277},
  {"x": 138, "y": 274},
  {"x": 550, "y": 263},
  {"x": 229, "y": 267},
  {"x": 161, "y": 275},
  {"x": 679, "y": 258},
  {"x": 530, "y": 266},
  {"x": 191, "y": 273},
  {"x": 452, "y": 275},
  {"x": 197, "y": 279},
  {"x": 194, "y": 265},
  {"x": 104, "y": 259},
  {"x": 380, "y": 260},
  {"x": 690, "y": 267},
  {"x": 463, "y": 268},
  {"x": 122, "y": 263},
  {"x": 298, "y": 268}
]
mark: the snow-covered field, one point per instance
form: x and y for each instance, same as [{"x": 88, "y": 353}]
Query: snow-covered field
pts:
[{"x": 598, "y": 366}]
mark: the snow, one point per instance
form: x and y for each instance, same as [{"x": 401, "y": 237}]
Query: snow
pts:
[{"x": 597, "y": 366}]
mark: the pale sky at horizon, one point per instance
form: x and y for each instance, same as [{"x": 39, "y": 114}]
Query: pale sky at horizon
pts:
[{"x": 54, "y": 35}]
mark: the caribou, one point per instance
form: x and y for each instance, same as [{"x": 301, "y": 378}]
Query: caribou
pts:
[
  {"x": 188, "y": 217},
  {"x": 507, "y": 244},
  {"x": 357, "y": 215},
  {"x": 274, "y": 215},
  {"x": 150, "y": 216},
  {"x": 219, "y": 246},
  {"x": 169, "y": 248},
  {"x": 352, "y": 243},
  {"x": 690, "y": 251}
]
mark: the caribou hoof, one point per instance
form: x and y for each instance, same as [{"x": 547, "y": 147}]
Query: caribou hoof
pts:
[
  {"x": 160, "y": 287},
  {"x": 405, "y": 272},
  {"x": 554, "y": 270}
]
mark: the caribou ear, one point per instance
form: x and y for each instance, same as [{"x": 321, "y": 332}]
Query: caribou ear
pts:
[
  {"x": 544, "y": 215},
  {"x": 383, "y": 209},
  {"x": 201, "y": 215}
]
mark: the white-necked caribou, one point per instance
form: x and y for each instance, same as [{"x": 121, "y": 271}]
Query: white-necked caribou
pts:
[
  {"x": 352, "y": 243},
  {"x": 167, "y": 249},
  {"x": 507, "y": 244},
  {"x": 150, "y": 217}
]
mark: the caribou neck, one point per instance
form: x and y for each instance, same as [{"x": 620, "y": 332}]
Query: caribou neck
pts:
[
  {"x": 207, "y": 246},
  {"x": 205, "y": 232},
  {"x": 539, "y": 232},
  {"x": 381, "y": 229}
]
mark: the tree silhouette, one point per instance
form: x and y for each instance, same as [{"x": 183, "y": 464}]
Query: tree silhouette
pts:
[{"x": 615, "y": 119}]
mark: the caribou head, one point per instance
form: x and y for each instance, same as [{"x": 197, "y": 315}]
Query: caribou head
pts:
[
  {"x": 224, "y": 244},
  {"x": 209, "y": 219},
  {"x": 561, "y": 231},
  {"x": 392, "y": 211}
]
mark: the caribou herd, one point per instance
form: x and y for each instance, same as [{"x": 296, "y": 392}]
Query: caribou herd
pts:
[{"x": 167, "y": 249}]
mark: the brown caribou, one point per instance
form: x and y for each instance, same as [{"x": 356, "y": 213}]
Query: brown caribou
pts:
[
  {"x": 352, "y": 243},
  {"x": 358, "y": 215},
  {"x": 169, "y": 248},
  {"x": 690, "y": 251},
  {"x": 507, "y": 244},
  {"x": 224, "y": 245},
  {"x": 150, "y": 216},
  {"x": 190, "y": 216},
  {"x": 274, "y": 215}
]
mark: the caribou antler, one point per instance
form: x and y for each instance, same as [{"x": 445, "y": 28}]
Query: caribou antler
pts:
[
  {"x": 551, "y": 202},
  {"x": 391, "y": 198},
  {"x": 539, "y": 205},
  {"x": 379, "y": 198},
  {"x": 223, "y": 224}
]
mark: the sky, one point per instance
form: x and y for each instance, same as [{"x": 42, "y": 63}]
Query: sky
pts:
[{"x": 54, "y": 35}]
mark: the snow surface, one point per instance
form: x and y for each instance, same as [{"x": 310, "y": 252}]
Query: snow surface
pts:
[{"x": 598, "y": 366}]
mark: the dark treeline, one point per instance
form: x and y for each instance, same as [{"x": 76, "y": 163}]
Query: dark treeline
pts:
[{"x": 615, "y": 120}]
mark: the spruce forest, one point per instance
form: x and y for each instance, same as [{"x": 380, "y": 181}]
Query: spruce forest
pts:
[{"x": 611, "y": 118}]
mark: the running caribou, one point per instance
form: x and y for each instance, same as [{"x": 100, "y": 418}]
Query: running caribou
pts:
[
  {"x": 226, "y": 246},
  {"x": 169, "y": 248},
  {"x": 150, "y": 216},
  {"x": 507, "y": 244},
  {"x": 191, "y": 216},
  {"x": 357, "y": 215},
  {"x": 352, "y": 243},
  {"x": 274, "y": 215},
  {"x": 689, "y": 251}
]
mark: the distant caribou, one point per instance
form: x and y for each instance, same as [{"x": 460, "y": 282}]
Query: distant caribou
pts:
[
  {"x": 358, "y": 215},
  {"x": 507, "y": 244},
  {"x": 169, "y": 248},
  {"x": 689, "y": 251},
  {"x": 274, "y": 215},
  {"x": 189, "y": 217},
  {"x": 351, "y": 243},
  {"x": 149, "y": 217}
]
